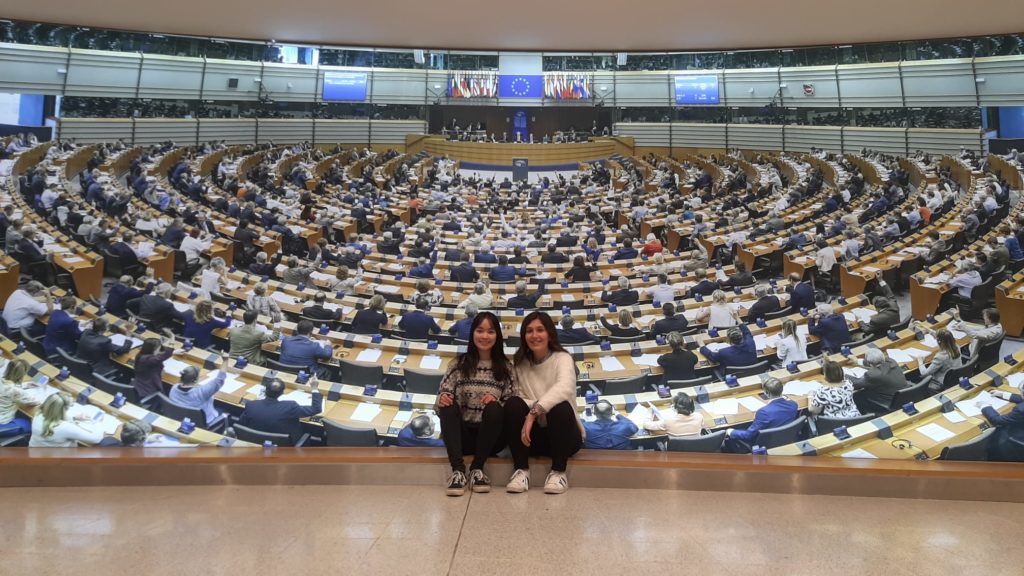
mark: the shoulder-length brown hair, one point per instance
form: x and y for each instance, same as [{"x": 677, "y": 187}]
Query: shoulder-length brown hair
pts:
[{"x": 524, "y": 351}]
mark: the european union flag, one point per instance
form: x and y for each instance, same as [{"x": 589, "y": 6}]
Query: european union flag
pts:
[{"x": 520, "y": 86}]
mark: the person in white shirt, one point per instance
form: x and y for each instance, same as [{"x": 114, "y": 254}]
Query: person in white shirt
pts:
[
  {"x": 26, "y": 304},
  {"x": 966, "y": 280},
  {"x": 850, "y": 245},
  {"x": 791, "y": 347},
  {"x": 683, "y": 421},
  {"x": 194, "y": 246},
  {"x": 51, "y": 427},
  {"x": 663, "y": 292},
  {"x": 825, "y": 258},
  {"x": 541, "y": 418},
  {"x": 49, "y": 197},
  {"x": 720, "y": 314},
  {"x": 481, "y": 296},
  {"x": 213, "y": 277}
]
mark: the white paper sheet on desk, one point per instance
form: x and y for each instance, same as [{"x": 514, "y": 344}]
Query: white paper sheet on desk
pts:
[
  {"x": 365, "y": 412},
  {"x": 181, "y": 306},
  {"x": 954, "y": 417},
  {"x": 144, "y": 249},
  {"x": 369, "y": 355},
  {"x": 722, "y": 406},
  {"x": 387, "y": 289},
  {"x": 972, "y": 406},
  {"x": 751, "y": 403},
  {"x": 862, "y": 314},
  {"x": 296, "y": 230},
  {"x": 331, "y": 306},
  {"x": 256, "y": 390},
  {"x": 1016, "y": 380},
  {"x": 403, "y": 416},
  {"x": 543, "y": 275},
  {"x": 283, "y": 298},
  {"x": 646, "y": 319},
  {"x": 163, "y": 441},
  {"x": 800, "y": 387},
  {"x": 690, "y": 315},
  {"x": 899, "y": 355},
  {"x": 720, "y": 274},
  {"x": 929, "y": 341},
  {"x": 869, "y": 269},
  {"x": 935, "y": 432},
  {"x": 639, "y": 414},
  {"x": 762, "y": 341},
  {"x": 119, "y": 339},
  {"x": 280, "y": 268},
  {"x": 38, "y": 394},
  {"x": 915, "y": 250},
  {"x": 859, "y": 453},
  {"x": 957, "y": 334},
  {"x": 173, "y": 366},
  {"x": 301, "y": 397},
  {"x": 430, "y": 362},
  {"x": 73, "y": 259},
  {"x": 941, "y": 278},
  {"x": 231, "y": 384},
  {"x": 611, "y": 364},
  {"x": 716, "y": 346},
  {"x": 646, "y": 360},
  {"x": 565, "y": 297},
  {"x": 917, "y": 352},
  {"x": 232, "y": 285},
  {"x": 136, "y": 412}
]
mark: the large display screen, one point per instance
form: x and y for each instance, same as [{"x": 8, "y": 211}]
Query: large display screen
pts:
[
  {"x": 344, "y": 86},
  {"x": 691, "y": 90}
]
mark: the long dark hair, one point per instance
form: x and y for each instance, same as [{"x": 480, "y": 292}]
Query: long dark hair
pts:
[
  {"x": 466, "y": 363},
  {"x": 524, "y": 351}
]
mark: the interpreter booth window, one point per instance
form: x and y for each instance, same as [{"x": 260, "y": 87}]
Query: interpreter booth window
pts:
[
  {"x": 1005, "y": 45},
  {"x": 465, "y": 60},
  {"x": 346, "y": 57},
  {"x": 403, "y": 59},
  {"x": 650, "y": 61},
  {"x": 697, "y": 61},
  {"x": 938, "y": 49},
  {"x": 869, "y": 53},
  {"x": 878, "y": 117},
  {"x": 282, "y": 110},
  {"x": 757, "y": 115},
  {"x": 398, "y": 112},
  {"x": 702, "y": 114},
  {"x": 234, "y": 50},
  {"x": 651, "y": 114},
  {"x": 815, "y": 117},
  {"x": 818, "y": 56},
  {"x": 963, "y": 118},
  {"x": 89, "y": 107},
  {"x": 753, "y": 59},
  {"x": 342, "y": 111},
  {"x": 568, "y": 62}
]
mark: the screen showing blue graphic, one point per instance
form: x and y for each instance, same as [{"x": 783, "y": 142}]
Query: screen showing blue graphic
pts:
[
  {"x": 696, "y": 90},
  {"x": 344, "y": 86},
  {"x": 520, "y": 86}
]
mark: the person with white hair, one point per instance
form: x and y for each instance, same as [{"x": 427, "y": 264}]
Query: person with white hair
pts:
[
  {"x": 481, "y": 297},
  {"x": 881, "y": 380},
  {"x": 720, "y": 314},
  {"x": 624, "y": 296},
  {"x": 213, "y": 277}
]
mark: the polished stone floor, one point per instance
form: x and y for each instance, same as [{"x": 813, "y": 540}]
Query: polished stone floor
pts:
[{"x": 395, "y": 530}]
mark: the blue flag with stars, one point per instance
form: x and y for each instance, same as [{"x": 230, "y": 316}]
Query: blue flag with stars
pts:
[{"x": 520, "y": 86}]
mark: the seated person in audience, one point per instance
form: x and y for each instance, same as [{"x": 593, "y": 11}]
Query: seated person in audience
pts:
[
  {"x": 678, "y": 364},
  {"x": 670, "y": 323},
  {"x": 174, "y": 234},
  {"x": 621, "y": 297},
  {"x": 247, "y": 340},
  {"x": 936, "y": 248},
  {"x": 481, "y": 296},
  {"x": 998, "y": 253},
  {"x": 870, "y": 241},
  {"x": 388, "y": 244},
  {"x": 579, "y": 272},
  {"x": 682, "y": 421},
  {"x": 766, "y": 303},
  {"x": 662, "y": 292},
  {"x": 133, "y": 435},
  {"x": 13, "y": 394},
  {"x": 1007, "y": 443},
  {"x": 424, "y": 267},
  {"x": 1012, "y": 244},
  {"x": 30, "y": 246},
  {"x": 704, "y": 286},
  {"x": 830, "y": 327},
  {"x": 372, "y": 319},
  {"x": 887, "y": 312},
  {"x": 791, "y": 346},
  {"x": 608, "y": 430},
  {"x": 417, "y": 324},
  {"x": 569, "y": 335},
  {"x": 264, "y": 305},
  {"x": 626, "y": 252},
  {"x": 52, "y": 427},
  {"x": 835, "y": 398},
  {"x": 882, "y": 380},
  {"x": 344, "y": 282},
  {"x": 503, "y": 272},
  {"x": 461, "y": 329},
  {"x": 965, "y": 280},
  {"x": 296, "y": 274},
  {"x": 990, "y": 332},
  {"x": 947, "y": 358},
  {"x": 300, "y": 349},
  {"x": 524, "y": 300},
  {"x": 158, "y": 307},
  {"x": 25, "y": 305},
  {"x": 984, "y": 265},
  {"x": 653, "y": 246},
  {"x": 200, "y": 322},
  {"x": 801, "y": 293},
  {"x": 850, "y": 246},
  {"x": 318, "y": 310},
  {"x": 419, "y": 433},
  {"x": 276, "y": 416},
  {"x": 518, "y": 258},
  {"x": 62, "y": 328},
  {"x": 484, "y": 256},
  {"x": 720, "y": 314},
  {"x": 741, "y": 350},
  {"x": 740, "y": 278},
  {"x": 553, "y": 256},
  {"x": 124, "y": 250},
  {"x": 189, "y": 393},
  {"x": 464, "y": 272},
  {"x": 625, "y": 327},
  {"x": 96, "y": 348},
  {"x": 777, "y": 412},
  {"x": 120, "y": 293},
  {"x": 262, "y": 267}
]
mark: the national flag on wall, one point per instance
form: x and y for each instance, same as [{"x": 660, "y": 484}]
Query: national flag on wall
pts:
[
  {"x": 567, "y": 86},
  {"x": 472, "y": 85}
]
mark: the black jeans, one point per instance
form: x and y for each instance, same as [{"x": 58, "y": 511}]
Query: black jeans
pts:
[
  {"x": 559, "y": 440},
  {"x": 461, "y": 439}
]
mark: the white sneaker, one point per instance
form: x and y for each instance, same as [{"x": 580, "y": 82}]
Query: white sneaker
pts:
[
  {"x": 519, "y": 483},
  {"x": 556, "y": 483}
]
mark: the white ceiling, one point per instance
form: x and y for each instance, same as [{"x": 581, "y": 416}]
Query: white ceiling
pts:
[{"x": 594, "y": 25}]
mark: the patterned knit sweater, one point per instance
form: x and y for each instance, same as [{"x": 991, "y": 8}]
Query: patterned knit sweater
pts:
[{"x": 469, "y": 392}]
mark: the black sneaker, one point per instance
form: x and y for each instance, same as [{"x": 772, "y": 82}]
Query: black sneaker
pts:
[
  {"x": 456, "y": 483},
  {"x": 480, "y": 482}
]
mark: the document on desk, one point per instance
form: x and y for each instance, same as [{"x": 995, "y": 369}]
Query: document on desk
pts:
[
  {"x": 935, "y": 432},
  {"x": 1016, "y": 380},
  {"x": 954, "y": 417},
  {"x": 301, "y": 397},
  {"x": 800, "y": 387},
  {"x": 136, "y": 412},
  {"x": 716, "y": 346},
  {"x": 369, "y": 355},
  {"x": 283, "y": 298},
  {"x": 751, "y": 403},
  {"x": 387, "y": 289},
  {"x": 181, "y": 306},
  {"x": 256, "y": 390},
  {"x": 929, "y": 341},
  {"x": 859, "y": 453},
  {"x": 722, "y": 406},
  {"x": 917, "y": 352},
  {"x": 231, "y": 384},
  {"x": 639, "y": 414},
  {"x": 365, "y": 412},
  {"x": 611, "y": 364},
  {"x": 119, "y": 340},
  {"x": 957, "y": 334},
  {"x": 940, "y": 278},
  {"x": 172, "y": 366},
  {"x": 74, "y": 260},
  {"x": 899, "y": 356},
  {"x": 321, "y": 277},
  {"x": 762, "y": 341},
  {"x": 972, "y": 406},
  {"x": 646, "y": 360},
  {"x": 862, "y": 314},
  {"x": 430, "y": 362}
]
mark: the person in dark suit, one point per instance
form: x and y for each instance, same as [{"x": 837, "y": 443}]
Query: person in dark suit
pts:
[
  {"x": 417, "y": 324},
  {"x": 124, "y": 250},
  {"x": 579, "y": 272},
  {"x": 464, "y": 272},
  {"x": 372, "y": 319},
  {"x": 740, "y": 278},
  {"x": 831, "y": 327},
  {"x": 882, "y": 380},
  {"x": 174, "y": 234},
  {"x": 484, "y": 256},
  {"x": 29, "y": 246},
  {"x": 1008, "y": 441},
  {"x": 623, "y": 296},
  {"x": 670, "y": 323},
  {"x": 388, "y": 244},
  {"x": 887, "y": 312},
  {"x": 463, "y": 329},
  {"x": 317, "y": 310},
  {"x": 455, "y": 255},
  {"x": 276, "y": 416},
  {"x": 624, "y": 328},
  {"x": 158, "y": 308},
  {"x": 553, "y": 256},
  {"x": 766, "y": 303},
  {"x": 120, "y": 294},
  {"x": 704, "y": 287},
  {"x": 801, "y": 294},
  {"x": 524, "y": 300},
  {"x": 626, "y": 252},
  {"x": 62, "y": 328},
  {"x": 96, "y": 348},
  {"x": 301, "y": 350},
  {"x": 741, "y": 350},
  {"x": 419, "y": 433},
  {"x": 778, "y": 411},
  {"x": 569, "y": 335},
  {"x": 503, "y": 272},
  {"x": 678, "y": 364}
]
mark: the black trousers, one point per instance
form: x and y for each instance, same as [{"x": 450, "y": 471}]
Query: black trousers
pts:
[
  {"x": 462, "y": 439},
  {"x": 559, "y": 440}
]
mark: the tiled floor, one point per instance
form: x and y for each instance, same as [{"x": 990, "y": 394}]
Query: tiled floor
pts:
[{"x": 418, "y": 531}]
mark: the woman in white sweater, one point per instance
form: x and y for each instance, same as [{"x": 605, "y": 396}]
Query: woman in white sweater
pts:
[
  {"x": 541, "y": 419},
  {"x": 52, "y": 429},
  {"x": 791, "y": 346}
]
